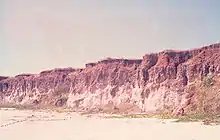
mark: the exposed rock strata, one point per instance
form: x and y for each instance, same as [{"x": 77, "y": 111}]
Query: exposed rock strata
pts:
[
  {"x": 154, "y": 83},
  {"x": 3, "y": 78}
]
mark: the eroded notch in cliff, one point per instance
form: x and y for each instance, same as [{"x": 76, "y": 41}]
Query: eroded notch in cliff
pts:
[
  {"x": 144, "y": 95},
  {"x": 113, "y": 91}
]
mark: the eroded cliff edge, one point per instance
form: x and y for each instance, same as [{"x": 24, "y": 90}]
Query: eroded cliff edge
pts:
[{"x": 169, "y": 80}]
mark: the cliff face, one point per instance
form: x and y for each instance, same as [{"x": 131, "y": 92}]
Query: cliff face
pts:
[{"x": 157, "y": 82}]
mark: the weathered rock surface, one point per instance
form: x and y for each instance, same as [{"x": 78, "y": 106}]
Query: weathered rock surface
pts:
[
  {"x": 3, "y": 78},
  {"x": 157, "y": 82}
]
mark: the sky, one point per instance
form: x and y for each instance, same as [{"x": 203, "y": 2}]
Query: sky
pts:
[{"x": 37, "y": 35}]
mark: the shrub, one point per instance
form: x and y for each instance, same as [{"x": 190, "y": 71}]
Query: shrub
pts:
[{"x": 208, "y": 81}]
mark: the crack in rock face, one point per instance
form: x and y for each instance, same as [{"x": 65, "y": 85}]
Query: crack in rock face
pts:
[{"x": 158, "y": 82}]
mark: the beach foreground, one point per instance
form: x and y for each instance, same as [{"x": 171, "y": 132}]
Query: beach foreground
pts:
[{"x": 50, "y": 125}]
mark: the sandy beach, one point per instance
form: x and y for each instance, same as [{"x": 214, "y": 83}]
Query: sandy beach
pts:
[{"x": 48, "y": 125}]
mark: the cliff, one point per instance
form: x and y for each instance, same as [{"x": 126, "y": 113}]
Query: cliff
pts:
[{"x": 169, "y": 80}]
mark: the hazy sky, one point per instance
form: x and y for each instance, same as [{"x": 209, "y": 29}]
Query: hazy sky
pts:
[{"x": 42, "y": 34}]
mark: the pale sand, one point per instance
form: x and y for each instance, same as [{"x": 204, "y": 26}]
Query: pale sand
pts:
[{"x": 32, "y": 125}]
